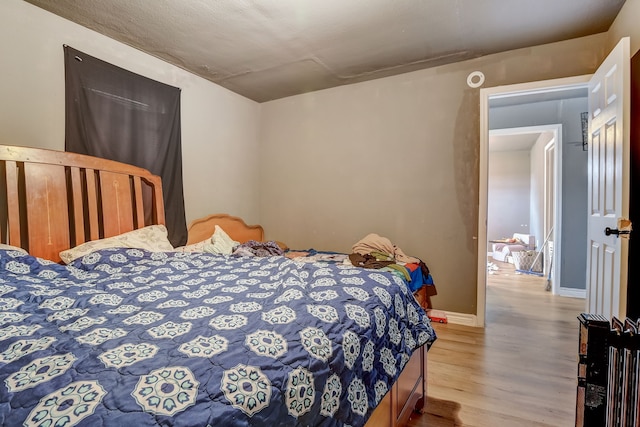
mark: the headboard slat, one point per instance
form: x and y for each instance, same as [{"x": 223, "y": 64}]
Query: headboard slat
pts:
[
  {"x": 157, "y": 202},
  {"x": 118, "y": 213},
  {"x": 47, "y": 208},
  {"x": 92, "y": 204},
  {"x": 139, "y": 204},
  {"x": 13, "y": 200},
  {"x": 76, "y": 194}
]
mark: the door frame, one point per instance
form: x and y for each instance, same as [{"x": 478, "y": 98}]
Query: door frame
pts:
[
  {"x": 553, "y": 206},
  {"x": 483, "y": 190}
]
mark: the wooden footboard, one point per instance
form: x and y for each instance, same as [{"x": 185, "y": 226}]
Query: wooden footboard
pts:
[
  {"x": 406, "y": 396},
  {"x": 236, "y": 228}
]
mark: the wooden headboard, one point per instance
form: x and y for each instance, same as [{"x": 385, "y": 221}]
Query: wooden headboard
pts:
[
  {"x": 236, "y": 228},
  {"x": 53, "y": 200}
]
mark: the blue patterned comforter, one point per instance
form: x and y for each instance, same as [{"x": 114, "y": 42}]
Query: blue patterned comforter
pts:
[{"x": 125, "y": 337}]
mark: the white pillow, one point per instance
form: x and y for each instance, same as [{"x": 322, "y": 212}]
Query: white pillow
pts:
[
  {"x": 12, "y": 248},
  {"x": 221, "y": 243},
  {"x": 151, "y": 238}
]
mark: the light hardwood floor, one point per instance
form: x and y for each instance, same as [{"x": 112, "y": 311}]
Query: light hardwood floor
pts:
[{"x": 519, "y": 371}]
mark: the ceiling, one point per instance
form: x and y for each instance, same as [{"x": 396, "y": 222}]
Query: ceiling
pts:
[
  {"x": 269, "y": 49},
  {"x": 513, "y": 142}
]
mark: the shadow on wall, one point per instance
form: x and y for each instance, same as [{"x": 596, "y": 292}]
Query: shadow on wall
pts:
[{"x": 466, "y": 161}]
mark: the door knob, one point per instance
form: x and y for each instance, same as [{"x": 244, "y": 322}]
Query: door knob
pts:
[{"x": 609, "y": 231}]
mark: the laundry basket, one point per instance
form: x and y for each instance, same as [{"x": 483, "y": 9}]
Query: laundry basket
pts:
[{"x": 524, "y": 260}]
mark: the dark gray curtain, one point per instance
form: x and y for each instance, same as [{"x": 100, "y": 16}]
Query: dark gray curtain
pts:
[{"x": 115, "y": 114}]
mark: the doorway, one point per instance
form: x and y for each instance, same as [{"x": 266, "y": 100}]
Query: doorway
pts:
[
  {"x": 511, "y": 97},
  {"x": 523, "y": 171}
]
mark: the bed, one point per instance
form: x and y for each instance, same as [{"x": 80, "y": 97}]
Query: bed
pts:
[{"x": 133, "y": 336}]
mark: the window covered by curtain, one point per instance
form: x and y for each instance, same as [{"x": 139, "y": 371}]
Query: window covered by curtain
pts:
[{"x": 119, "y": 115}]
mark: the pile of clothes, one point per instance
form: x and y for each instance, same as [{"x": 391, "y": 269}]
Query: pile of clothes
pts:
[
  {"x": 259, "y": 249},
  {"x": 374, "y": 251}
]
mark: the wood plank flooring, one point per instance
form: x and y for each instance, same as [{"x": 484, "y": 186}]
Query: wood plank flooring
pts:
[{"x": 518, "y": 371}]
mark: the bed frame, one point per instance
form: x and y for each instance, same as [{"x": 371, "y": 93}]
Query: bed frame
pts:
[
  {"x": 202, "y": 229},
  {"x": 51, "y": 201},
  {"x": 236, "y": 228}
]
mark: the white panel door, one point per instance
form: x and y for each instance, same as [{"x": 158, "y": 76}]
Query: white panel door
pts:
[{"x": 608, "y": 176}]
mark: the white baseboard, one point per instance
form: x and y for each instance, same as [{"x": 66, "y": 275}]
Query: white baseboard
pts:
[
  {"x": 572, "y": 292},
  {"x": 462, "y": 318}
]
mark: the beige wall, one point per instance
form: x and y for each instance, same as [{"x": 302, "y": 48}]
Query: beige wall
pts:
[
  {"x": 536, "y": 202},
  {"x": 397, "y": 156},
  {"x": 219, "y": 128},
  {"x": 509, "y": 185},
  {"x": 626, "y": 24}
]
